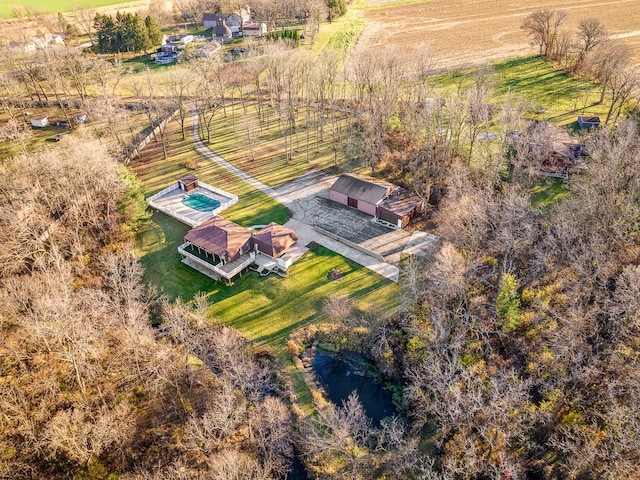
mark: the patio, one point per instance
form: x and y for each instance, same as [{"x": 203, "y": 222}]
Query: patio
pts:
[{"x": 170, "y": 202}]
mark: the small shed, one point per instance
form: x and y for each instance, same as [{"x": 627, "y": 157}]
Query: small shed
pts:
[
  {"x": 274, "y": 240},
  {"x": 188, "y": 182},
  {"x": 588, "y": 122},
  {"x": 39, "y": 121}
]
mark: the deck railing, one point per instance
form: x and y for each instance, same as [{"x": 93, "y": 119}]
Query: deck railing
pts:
[{"x": 216, "y": 268}]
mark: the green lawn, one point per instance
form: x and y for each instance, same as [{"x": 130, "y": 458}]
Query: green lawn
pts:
[
  {"x": 55, "y": 6},
  {"x": 554, "y": 96},
  {"x": 230, "y": 140},
  {"x": 343, "y": 32},
  {"x": 265, "y": 309},
  {"x": 156, "y": 173},
  {"x": 547, "y": 192}
]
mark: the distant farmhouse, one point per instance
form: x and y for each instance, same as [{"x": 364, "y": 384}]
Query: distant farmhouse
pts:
[
  {"x": 227, "y": 27},
  {"x": 384, "y": 201}
]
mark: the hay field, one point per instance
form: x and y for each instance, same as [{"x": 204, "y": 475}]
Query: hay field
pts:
[{"x": 463, "y": 32}]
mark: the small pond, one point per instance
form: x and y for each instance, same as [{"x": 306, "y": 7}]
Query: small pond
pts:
[
  {"x": 339, "y": 378},
  {"x": 200, "y": 202}
]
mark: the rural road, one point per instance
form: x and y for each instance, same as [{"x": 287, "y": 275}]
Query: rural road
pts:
[{"x": 305, "y": 231}]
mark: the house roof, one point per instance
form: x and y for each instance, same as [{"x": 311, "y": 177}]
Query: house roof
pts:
[
  {"x": 367, "y": 189},
  {"x": 401, "y": 202},
  {"x": 233, "y": 19},
  {"x": 585, "y": 119},
  {"x": 216, "y": 17},
  {"x": 219, "y": 236},
  {"x": 39, "y": 117},
  {"x": 275, "y": 238},
  {"x": 188, "y": 179},
  {"x": 221, "y": 30}
]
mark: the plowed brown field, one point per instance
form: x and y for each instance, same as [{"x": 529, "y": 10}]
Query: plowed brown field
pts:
[{"x": 470, "y": 32}]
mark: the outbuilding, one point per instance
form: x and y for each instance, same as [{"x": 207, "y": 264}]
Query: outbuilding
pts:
[
  {"x": 188, "y": 182},
  {"x": 382, "y": 200},
  {"x": 588, "y": 122},
  {"x": 39, "y": 121}
]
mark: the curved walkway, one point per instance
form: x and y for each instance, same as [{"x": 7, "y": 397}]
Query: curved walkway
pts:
[{"x": 306, "y": 232}]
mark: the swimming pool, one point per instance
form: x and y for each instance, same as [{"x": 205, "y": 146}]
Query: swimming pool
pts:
[{"x": 200, "y": 202}]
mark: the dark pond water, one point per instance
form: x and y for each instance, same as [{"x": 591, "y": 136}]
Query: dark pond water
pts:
[
  {"x": 298, "y": 472},
  {"x": 339, "y": 378}
]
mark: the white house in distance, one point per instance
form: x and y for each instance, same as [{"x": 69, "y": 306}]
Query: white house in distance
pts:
[
  {"x": 39, "y": 121},
  {"x": 254, "y": 29}
]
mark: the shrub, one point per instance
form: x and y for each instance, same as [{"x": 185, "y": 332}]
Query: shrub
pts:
[{"x": 508, "y": 303}]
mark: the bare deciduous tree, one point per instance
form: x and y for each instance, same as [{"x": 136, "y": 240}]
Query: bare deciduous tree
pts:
[{"x": 543, "y": 26}]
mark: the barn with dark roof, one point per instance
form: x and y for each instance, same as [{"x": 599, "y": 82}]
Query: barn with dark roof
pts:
[{"x": 380, "y": 199}]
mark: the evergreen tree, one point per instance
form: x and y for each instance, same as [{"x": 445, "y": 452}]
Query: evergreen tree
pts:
[
  {"x": 106, "y": 33},
  {"x": 153, "y": 31},
  {"x": 126, "y": 33}
]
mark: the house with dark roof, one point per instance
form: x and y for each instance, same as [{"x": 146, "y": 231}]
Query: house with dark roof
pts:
[
  {"x": 222, "y": 24},
  {"x": 275, "y": 240},
  {"x": 222, "y": 249},
  {"x": 218, "y": 248},
  {"x": 382, "y": 200}
]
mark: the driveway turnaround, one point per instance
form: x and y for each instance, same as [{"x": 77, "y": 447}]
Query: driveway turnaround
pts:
[{"x": 313, "y": 213}]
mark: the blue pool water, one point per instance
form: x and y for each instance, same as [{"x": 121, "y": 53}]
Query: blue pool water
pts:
[{"x": 200, "y": 202}]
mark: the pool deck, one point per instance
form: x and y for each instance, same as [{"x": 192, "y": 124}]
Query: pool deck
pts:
[{"x": 169, "y": 201}]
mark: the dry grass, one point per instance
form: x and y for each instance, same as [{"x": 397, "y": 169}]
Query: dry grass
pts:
[{"x": 463, "y": 33}]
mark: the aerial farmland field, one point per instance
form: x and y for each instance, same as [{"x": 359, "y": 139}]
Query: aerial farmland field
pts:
[
  {"x": 61, "y": 6},
  {"x": 462, "y": 32}
]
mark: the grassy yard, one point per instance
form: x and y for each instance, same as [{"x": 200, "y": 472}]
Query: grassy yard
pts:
[
  {"x": 548, "y": 192},
  {"x": 554, "y": 96},
  {"x": 265, "y": 309},
  {"x": 156, "y": 173},
  {"x": 343, "y": 32},
  {"x": 229, "y": 139}
]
